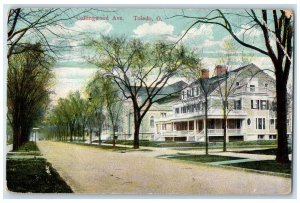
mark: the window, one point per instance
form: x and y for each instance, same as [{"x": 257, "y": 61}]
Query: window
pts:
[
  {"x": 260, "y": 123},
  {"x": 249, "y": 121},
  {"x": 273, "y": 123},
  {"x": 252, "y": 88},
  {"x": 273, "y": 106},
  {"x": 193, "y": 92},
  {"x": 272, "y": 137},
  {"x": 263, "y": 104},
  {"x": 212, "y": 124},
  {"x": 183, "y": 95},
  {"x": 238, "y": 104},
  {"x": 188, "y": 108},
  {"x": 237, "y": 84},
  {"x": 164, "y": 126},
  {"x": 261, "y": 137},
  {"x": 163, "y": 115},
  {"x": 266, "y": 85},
  {"x": 238, "y": 124},
  {"x": 254, "y": 104},
  {"x": 184, "y": 109},
  {"x": 188, "y": 92},
  {"x": 152, "y": 122},
  {"x": 197, "y": 91},
  {"x": 176, "y": 110}
]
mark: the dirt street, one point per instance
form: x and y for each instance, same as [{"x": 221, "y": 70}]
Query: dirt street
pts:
[{"x": 90, "y": 170}]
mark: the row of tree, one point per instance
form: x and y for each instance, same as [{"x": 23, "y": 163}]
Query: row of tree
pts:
[{"x": 81, "y": 114}]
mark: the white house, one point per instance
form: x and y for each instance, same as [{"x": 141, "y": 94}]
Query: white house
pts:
[{"x": 250, "y": 108}]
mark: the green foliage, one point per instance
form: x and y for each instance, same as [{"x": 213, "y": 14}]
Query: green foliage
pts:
[
  {"x": 29, "y": 82},
  {"x": 202, "y": 158},
  {"x": 268, "y": 165},
  {"x": 28, "y": 147},
  {"x": 30, "y": 175},
  {"x": 68, "y": 117},
  {"x": 139, "y": 69}
]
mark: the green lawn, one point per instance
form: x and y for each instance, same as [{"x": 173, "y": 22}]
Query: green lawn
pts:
[
  {"x": 109, "y": 148},
  {"x": 28, "y": 146},
  {"x": 192, "y": 145},
  {"x": 27, "y": 171},
  {"x": 271, "y": 151},
  {"x": 34, "y": 175},
  {"x": 269, "y": 165},
  {"x": 202, "y": 158}
]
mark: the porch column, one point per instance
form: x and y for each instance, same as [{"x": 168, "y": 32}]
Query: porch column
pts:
[
  {"x": 188, "y": 126},
  {"x": 195, "y": 127}
]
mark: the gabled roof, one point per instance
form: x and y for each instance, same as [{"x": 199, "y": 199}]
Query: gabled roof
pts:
[
  {"x": 168, "y": 92},
  {"x": 212, "y": 83}
]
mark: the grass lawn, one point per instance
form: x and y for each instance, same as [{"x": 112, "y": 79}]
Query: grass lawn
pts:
[
  {"x": 192, "y": 145},
  {"x": 26, "y": 171},
  {"x": 109, "y": 148},
  {"x": 271, "y": 151},
  {"x": 202, "y": 158},
  {"x": 28, "y": 146},
  {"x": 268, "y": 165},
  {"x": 34, "y": 175}
]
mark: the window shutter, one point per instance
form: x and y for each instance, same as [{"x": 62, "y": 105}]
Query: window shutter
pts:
[
  {"x": 257, "y": 101},
  {"x": 251, "y": 104}
]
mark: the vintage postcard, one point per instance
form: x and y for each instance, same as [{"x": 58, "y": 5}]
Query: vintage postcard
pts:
[{"x": 149, "y": 101}]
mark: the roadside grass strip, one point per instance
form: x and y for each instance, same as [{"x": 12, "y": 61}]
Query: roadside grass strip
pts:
[
  {"x": 202, "y": 158},
  {"x": 34, "y": 175},
  {"x": 264, "y": 165},
  {"x": 28, "y": 172}
]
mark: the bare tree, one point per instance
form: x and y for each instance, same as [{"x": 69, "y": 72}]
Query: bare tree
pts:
[
  {"x": 277, "y": 29},
  {"x": 228, "y": 80},
  {"x": 201, "y": 79},
  {"x": 139, "y": 70}
]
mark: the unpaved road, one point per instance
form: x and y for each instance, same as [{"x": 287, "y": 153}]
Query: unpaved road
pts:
[{"x": 94, "y": 171}]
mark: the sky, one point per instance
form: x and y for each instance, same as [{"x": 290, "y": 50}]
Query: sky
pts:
[{"x": 150, "y": 25}]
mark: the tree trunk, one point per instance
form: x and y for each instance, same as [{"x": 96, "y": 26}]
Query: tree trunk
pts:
[
  {"x": 282, "y": 148},
  {"x": 114, "y": 138},
  {"x": 136, "y": 141},
  {"x": 16, "y": 138},
  {"x": 137, "y": 125},
  {"x": 224, "y": 130},
  {"x": 99, "y": 134},
  {"x": 91, "y": 134},
  {"x": 206, "y": 126}
]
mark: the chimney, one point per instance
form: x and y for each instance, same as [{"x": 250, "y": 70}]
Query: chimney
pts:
[
  {"x": 221, "y": 69},
  {"x": 204, "y": 73}
]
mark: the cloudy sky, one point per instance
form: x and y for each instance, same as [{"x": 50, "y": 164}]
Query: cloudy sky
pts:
[{"x": 73, "y": 72}]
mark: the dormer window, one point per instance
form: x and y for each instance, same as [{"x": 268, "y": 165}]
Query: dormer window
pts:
[
  {"x": 252, "y": 88},
  {"x": 266, "y": 85}
]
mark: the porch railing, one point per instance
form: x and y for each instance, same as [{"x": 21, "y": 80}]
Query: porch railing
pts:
[{"x": 209, "y": 131}]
